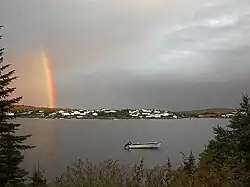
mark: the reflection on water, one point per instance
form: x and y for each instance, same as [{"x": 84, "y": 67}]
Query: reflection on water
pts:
[
  {"x": 60, "y": 143},
  {"x": 44, "y": 137}
]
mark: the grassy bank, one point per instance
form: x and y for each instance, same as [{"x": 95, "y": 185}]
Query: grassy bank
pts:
[{"x": 111, "y": 173}]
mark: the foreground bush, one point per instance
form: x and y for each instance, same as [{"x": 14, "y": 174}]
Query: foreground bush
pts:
[{"x": 111, "y": 173}]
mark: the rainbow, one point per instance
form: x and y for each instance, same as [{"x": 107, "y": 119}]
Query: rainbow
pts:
[{"x": 49, "y": 79}]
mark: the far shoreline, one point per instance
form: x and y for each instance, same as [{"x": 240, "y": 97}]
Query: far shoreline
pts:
[
  {"x": 88, "y": 119},
  {"x": 121, "y": 114}
]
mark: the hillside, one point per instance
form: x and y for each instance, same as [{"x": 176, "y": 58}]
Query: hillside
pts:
[
  {"x": 215, "y": 111},
  {"x": 28, "y": 107},
  {"x": 199, "y": 112}
]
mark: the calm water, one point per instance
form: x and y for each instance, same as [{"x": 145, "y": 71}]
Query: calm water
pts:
[{"x": 61, "y": 142}]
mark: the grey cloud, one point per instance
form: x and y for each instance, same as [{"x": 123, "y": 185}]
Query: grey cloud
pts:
[
  {"x": 158, "y": 93},
  {"x": 211, "y": 43},
  {"x": 145, "y": 53}
]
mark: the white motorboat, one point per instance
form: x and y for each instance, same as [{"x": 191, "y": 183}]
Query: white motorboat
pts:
[{"x": 147, "y": 145}]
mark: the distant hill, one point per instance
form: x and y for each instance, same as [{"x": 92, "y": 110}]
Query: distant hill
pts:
[
  {"x": 209, "y": 111},
  {"x": 197, "y": 112},
  {"x": 28, "y": 107}
]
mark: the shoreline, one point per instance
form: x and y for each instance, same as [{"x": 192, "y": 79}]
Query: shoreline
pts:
[
  {"x": 128, "y": 114},
  {"x": 117, "y": 118}
]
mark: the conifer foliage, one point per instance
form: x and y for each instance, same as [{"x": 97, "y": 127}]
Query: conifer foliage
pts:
[
  {"x": 11, "y": 144},
  {"x": 230, "y": 150}
]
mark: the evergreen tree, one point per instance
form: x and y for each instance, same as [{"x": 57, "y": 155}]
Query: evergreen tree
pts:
[
  {"x": 11, "y": 145},
  {"x": 230, "y": 150}
]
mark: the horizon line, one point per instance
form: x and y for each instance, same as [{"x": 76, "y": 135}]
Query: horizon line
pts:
[{"x": 69, "y": 108}]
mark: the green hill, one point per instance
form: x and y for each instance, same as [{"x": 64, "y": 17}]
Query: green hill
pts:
[{"x": 211, "y": 111}]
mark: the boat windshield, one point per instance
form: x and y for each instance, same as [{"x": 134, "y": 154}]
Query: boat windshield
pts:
[{"x": 129, "y": 143}]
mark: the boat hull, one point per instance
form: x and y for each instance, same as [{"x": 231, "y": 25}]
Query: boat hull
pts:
[{"x": 144, "y": 146}]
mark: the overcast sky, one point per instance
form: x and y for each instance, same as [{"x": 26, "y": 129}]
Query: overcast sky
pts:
[{"x": 130, "y": 53}]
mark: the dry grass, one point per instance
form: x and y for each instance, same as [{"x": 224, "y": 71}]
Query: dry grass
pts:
[{"x": 111, "y": 173}]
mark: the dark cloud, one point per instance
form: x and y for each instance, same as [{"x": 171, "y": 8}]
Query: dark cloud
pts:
[{"x": 154, "y": 93}]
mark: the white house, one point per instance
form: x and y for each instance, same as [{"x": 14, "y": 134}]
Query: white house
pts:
[
  {"x": 230, "y": 115},
  {"x": 66, "y": 114},
  {"x": 157, "y": 115},
  {"x": 146, "y": 111},
  {"x": 76, "y": 113},
  {"x": 79, "y": 117},
  {"x": 135, "y": 115},
  {"x": 60, "y": 111},
  {"x": 110, "y": 111},
  {"x": 165, "y": 114},
  {"x": 133, "y": 111},
  {"x": 10, "y": 114},
  {"x": 52, "y": 114}
]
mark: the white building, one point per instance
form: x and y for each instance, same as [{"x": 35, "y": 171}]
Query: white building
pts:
[
  {"x": 110, "y": 111},
  {"x": 230, "y": 115},
  {"x": 135, "y": 115},
  {"x": 146, "y": 111},
  {"x": 133, "y": 111},
  {"x": 66, "y": 114},
  {"x": 175, "y": 117},
  {"x": 60, "y": 111},
  {"x": 76, "y": 113},
  {"x": 79, "y": 117},
  {"x": 157, "y": 115},
  {"x": 165, "y": 114},
  {"x": 10, "y": 114}
]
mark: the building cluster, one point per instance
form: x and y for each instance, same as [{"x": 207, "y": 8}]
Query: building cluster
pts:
[
  {"x": 83, "y": 113},
  {"x": 112, "y": 114},
  {"x": 147, "y": 113},
  {"x": 99, "y": 113}
]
